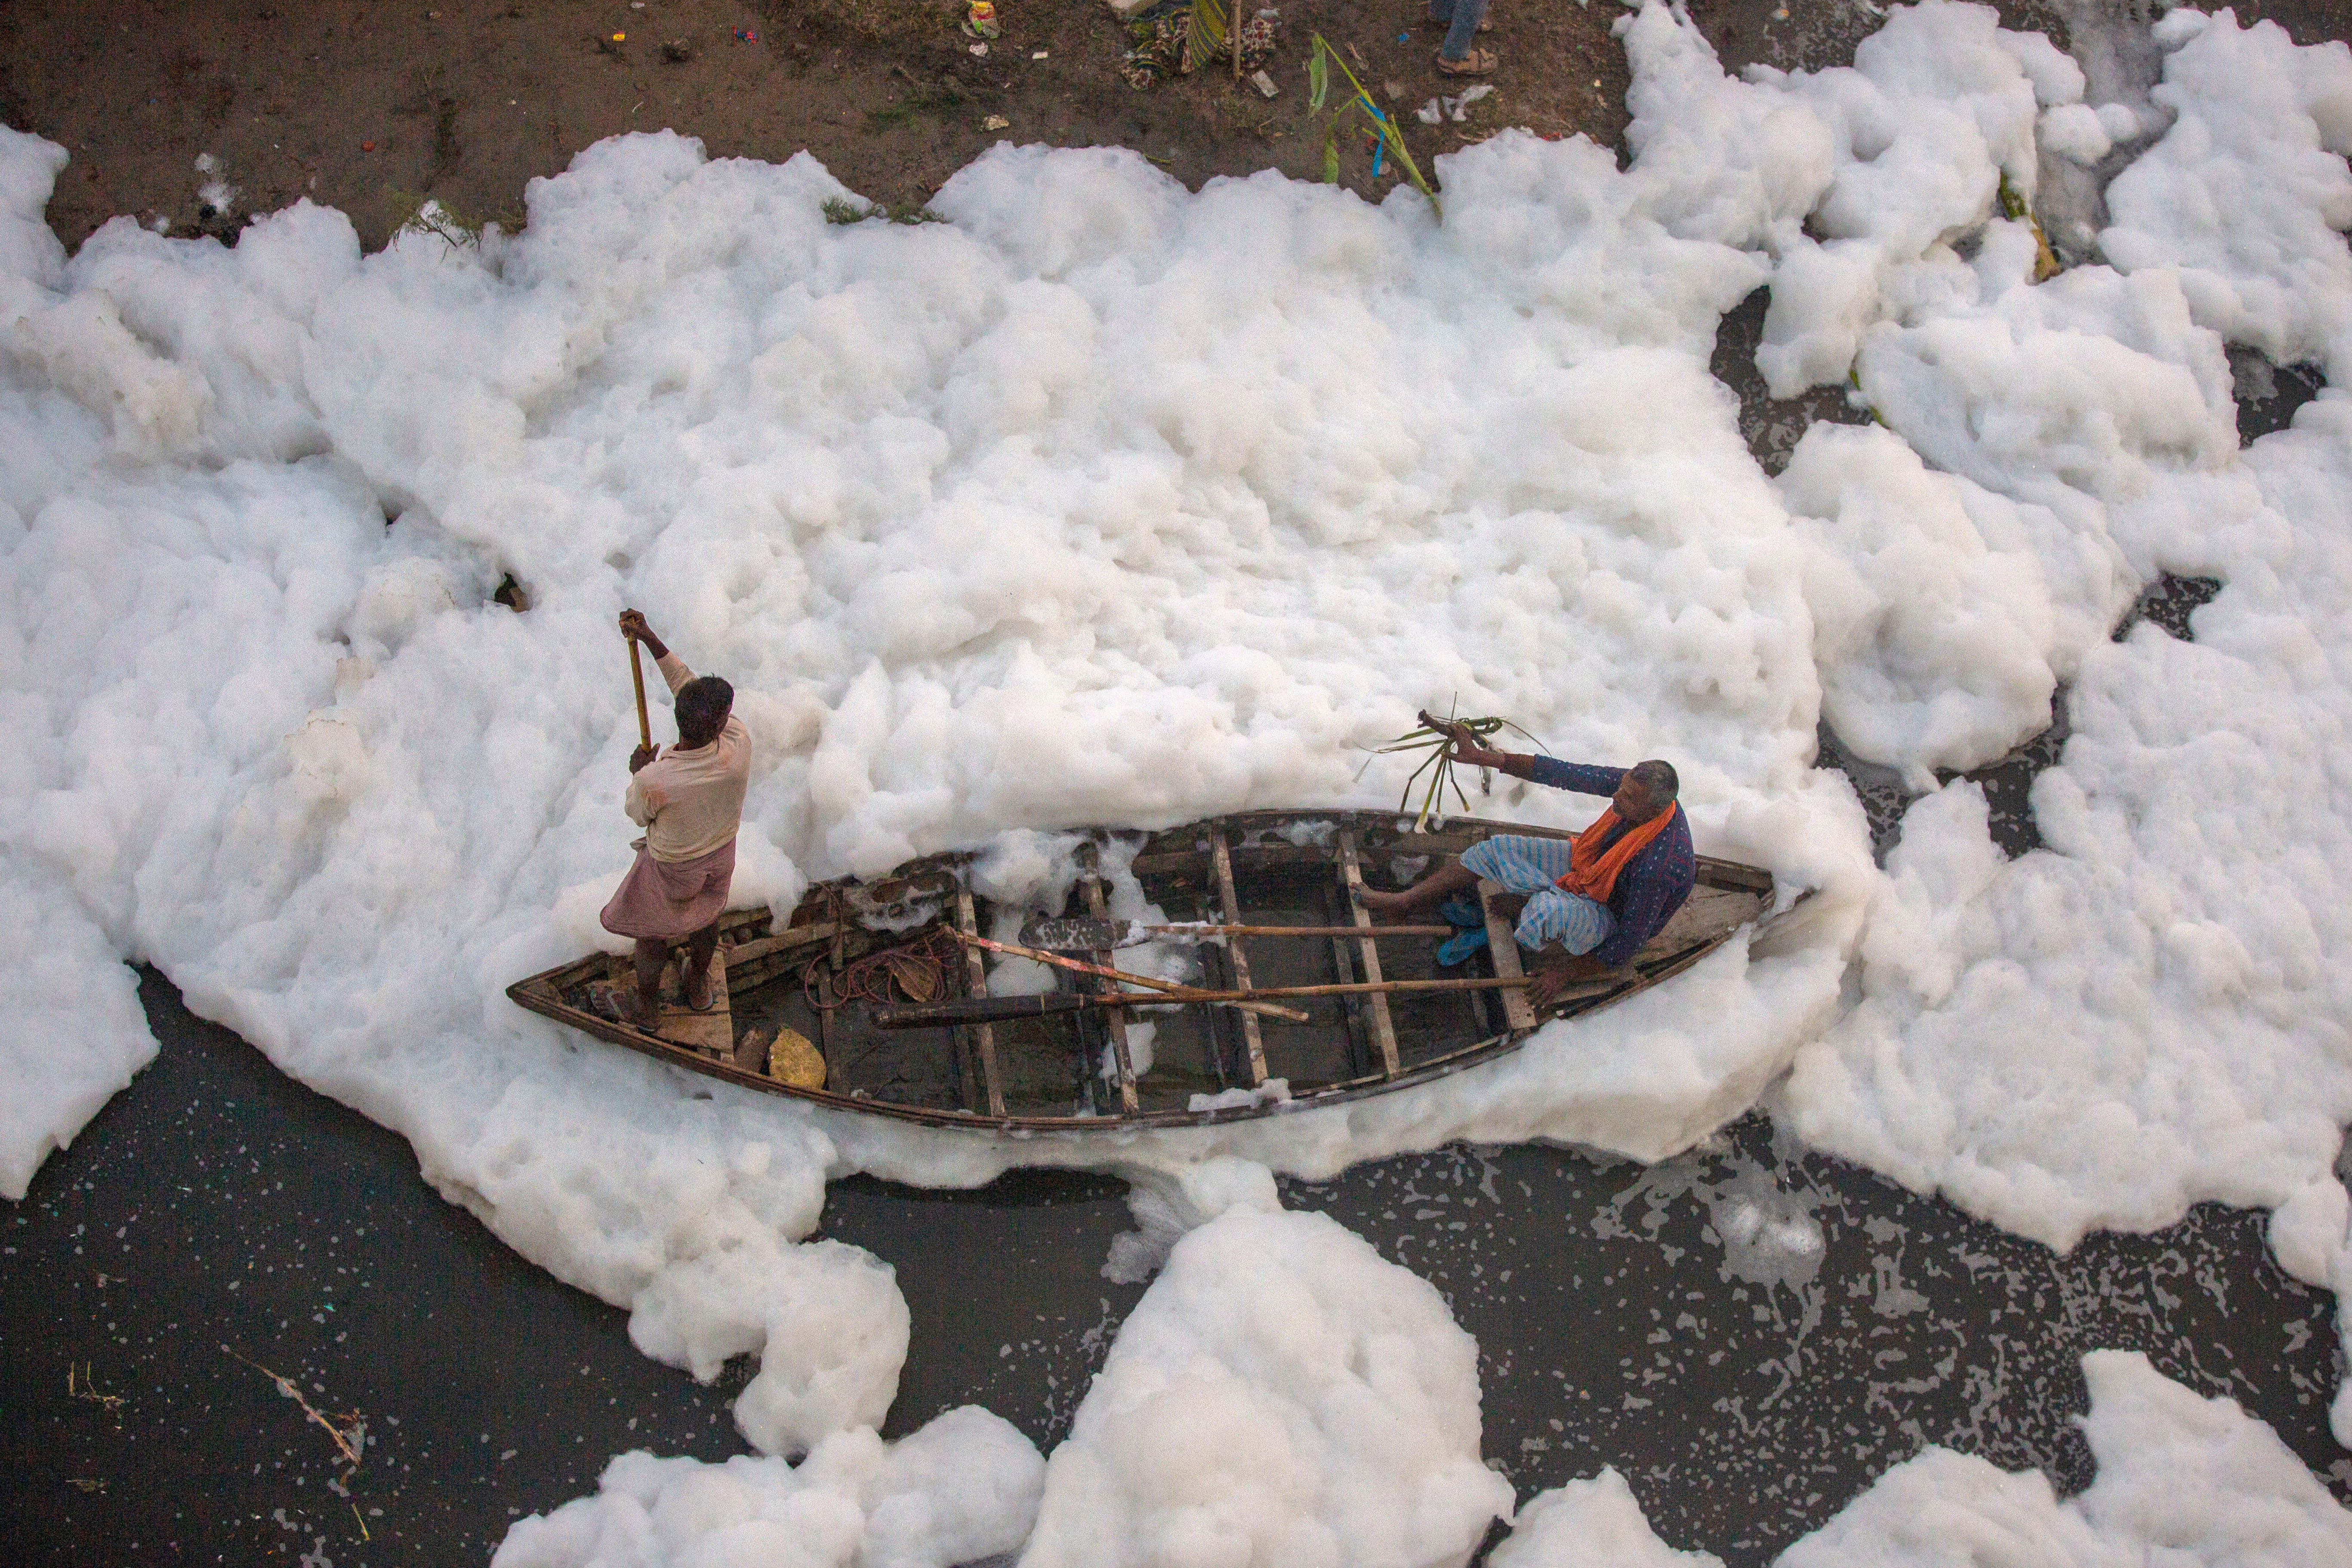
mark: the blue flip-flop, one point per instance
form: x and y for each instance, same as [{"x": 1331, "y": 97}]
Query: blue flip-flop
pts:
[
  {"x": 1459, "y": 947},
  {"x": 1463, "y": 912}
]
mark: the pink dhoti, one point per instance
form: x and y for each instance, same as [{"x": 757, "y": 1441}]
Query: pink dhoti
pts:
[{"x": 670, "y": 899}]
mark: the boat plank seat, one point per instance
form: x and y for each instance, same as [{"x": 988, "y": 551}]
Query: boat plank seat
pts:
[
  {"x": 984, "y": 1036},
  {"x": 1221, "y": 867},
  {"x": 1503, "y": 945},
  {"x": 1114, "y": 1019},
  {"x": 1376, "y": 1005}
]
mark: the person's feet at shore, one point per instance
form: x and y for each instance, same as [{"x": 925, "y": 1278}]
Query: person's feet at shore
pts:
[
  {"x": 1477, "y": 62},
  {"x": 1382, "y": 903},
  {"x": 695, "y": 989}
]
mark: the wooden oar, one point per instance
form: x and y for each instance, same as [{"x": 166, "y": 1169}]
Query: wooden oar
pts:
[
  {"x": 1241, "y": 1000},
  {"x": 1083, "y": 935},
  {"x": 637, "y": 678},
  {"x": 975, "y": 1009}
]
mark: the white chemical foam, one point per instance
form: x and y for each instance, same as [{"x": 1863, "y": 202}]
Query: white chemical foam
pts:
[
  {"x": 1588, "y": 1523},
  {"x": 963, "y": 1488},
  {"x": 1025, "y": 519},
  {"x": 2141, "y": 1014},
  {"x": 2182, "y": 1480},
  {"x": 1281, "y": 1394}
]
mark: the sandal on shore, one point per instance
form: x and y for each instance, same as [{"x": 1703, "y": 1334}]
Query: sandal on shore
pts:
[{"x": 1477, "y": 62}]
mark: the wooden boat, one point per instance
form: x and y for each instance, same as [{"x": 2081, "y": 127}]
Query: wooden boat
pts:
[{"x": 1382, "y": 1014}]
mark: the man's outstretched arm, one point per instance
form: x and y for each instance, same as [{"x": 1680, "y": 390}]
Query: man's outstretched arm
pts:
[{"x": 1582, "y": 777}]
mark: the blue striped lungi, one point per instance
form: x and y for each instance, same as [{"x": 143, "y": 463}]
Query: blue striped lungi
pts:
[{"x": 1532, "y": 866}]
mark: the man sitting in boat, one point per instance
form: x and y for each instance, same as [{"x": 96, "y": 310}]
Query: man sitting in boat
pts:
[
  {"x": 689, "y": 801},
  {"x": 1591, "y": 901}
]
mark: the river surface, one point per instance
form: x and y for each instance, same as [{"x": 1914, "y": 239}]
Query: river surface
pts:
[{"x": 1749, "y": 1333}]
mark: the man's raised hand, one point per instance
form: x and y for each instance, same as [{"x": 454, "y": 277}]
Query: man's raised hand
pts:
[
  {"x": 641, "y": 757},
  {"x": 1464, "y": 740},
  {"x": 633, "y": 627},
  {"x": 1451, "y": 730}
]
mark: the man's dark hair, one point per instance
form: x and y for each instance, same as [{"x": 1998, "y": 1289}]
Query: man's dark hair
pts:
[
  {"x": 702, "y": 707},
  {"x": 1657, "y": 781}
]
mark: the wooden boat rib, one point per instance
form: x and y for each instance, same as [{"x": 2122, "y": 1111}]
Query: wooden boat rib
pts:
[{"x": 1083, "y": 1071}]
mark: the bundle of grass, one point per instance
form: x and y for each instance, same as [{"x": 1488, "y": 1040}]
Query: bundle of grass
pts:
[{"x": 1438, "y": 766}]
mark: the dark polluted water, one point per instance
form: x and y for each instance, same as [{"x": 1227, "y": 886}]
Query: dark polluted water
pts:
[{"x": 1749, "y": 1333}]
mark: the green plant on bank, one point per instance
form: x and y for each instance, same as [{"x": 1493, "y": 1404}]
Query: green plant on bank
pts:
[
  {"x": 842, "y": 210},
  {"x": 1439, "y": 764},
  {"x": 1383, "y": 124}
]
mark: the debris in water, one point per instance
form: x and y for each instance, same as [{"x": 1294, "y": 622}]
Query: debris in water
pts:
[
  {"x": 349, "y": 1433},
  {"x": 110, "y": 1403}
]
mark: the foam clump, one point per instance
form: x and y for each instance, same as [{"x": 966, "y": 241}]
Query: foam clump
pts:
[
  {"x": 1919, "y": 577},
  {"x": 2171, "y": 932},
  {"x": 1280, "y": 1394},
  {"x": 1857, "y": 179},
  {"x": 2181, "y": 1479},
  {"x": 2246, "y": 195},
  {"x": 71, "y": 1030},
  {"x": 962, "y": 1488},
  {"x": 1596, "y": 1520}
]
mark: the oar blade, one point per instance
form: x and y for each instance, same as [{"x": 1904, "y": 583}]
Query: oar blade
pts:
[{"x": 1079, "y": 934}]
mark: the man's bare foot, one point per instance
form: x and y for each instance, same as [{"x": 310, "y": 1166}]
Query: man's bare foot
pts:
[
  {"x": 695, "y": 989},
  {"x": 1554, "y": 976},
  {"x": 1382, "y": 903},
  {"x": 623, "y": 1005}
]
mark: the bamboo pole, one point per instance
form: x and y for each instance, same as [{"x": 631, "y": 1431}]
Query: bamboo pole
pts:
[
  {"x": 1165, "y": 988},
  {"x": 973, "y": 1010},
  {"x": 1300, "y": 930},
  {"x": 637, "y": 678}
]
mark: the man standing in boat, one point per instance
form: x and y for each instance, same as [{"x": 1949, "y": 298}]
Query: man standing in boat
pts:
[
  {"x": 1591, "y": 901},
  {"x": 689, "y": 801}
]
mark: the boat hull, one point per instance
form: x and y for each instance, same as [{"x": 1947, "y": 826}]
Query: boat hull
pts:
[{"x": 1078, "y": 1075}]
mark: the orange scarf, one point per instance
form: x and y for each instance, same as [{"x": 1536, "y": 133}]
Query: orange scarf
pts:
[{"x": 1592, "y": 872}]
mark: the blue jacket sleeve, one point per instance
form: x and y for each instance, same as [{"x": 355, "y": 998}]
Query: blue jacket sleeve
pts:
[{"x": 1584, "y": 778}]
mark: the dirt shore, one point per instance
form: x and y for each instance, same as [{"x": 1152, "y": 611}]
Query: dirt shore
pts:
[{"x": 372, "y": 109}]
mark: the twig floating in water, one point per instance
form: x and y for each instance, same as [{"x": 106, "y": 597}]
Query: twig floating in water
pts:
[
  {"x": 109, "y": 1403},
  {"x": 343, "y": 1435}
]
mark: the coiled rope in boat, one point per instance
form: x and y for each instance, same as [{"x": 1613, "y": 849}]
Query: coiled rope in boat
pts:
[{"x": 916, "y": 970}]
